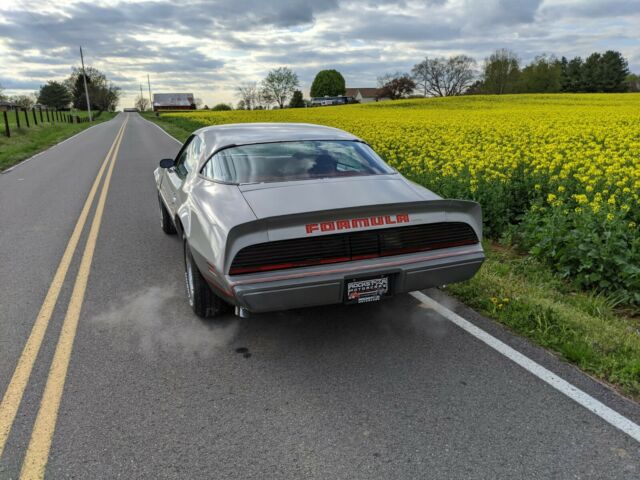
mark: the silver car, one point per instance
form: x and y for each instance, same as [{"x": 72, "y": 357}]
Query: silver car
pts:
[{"x": 276, "y": 216}]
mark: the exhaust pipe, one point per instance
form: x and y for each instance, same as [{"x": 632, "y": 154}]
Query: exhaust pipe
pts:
[{"x": 242, "y": 312}]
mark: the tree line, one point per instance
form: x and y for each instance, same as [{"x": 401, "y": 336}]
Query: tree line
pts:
[
  {"x": 606, "y": 72},
  {"x": 103, "y": 94},
  {"x": 501, "y": 72}
]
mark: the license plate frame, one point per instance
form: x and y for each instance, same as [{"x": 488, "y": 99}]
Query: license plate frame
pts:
[{"x": 367, "y": 289}]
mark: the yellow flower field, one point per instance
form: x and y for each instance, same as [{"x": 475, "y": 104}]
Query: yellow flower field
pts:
[{"x": 540, "y": 165}]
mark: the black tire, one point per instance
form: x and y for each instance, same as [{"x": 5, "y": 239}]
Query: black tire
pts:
[
  {"x": 203, "y": 301},
  {"x": 166, "y": 223}
]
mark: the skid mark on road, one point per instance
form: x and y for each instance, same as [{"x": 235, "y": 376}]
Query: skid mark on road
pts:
[{"x": 150, "y": 319}]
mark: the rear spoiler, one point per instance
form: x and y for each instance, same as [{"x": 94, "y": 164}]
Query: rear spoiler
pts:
[{"x": 326, "y": 222}]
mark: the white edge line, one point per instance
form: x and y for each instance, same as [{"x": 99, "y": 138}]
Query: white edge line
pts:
[
  {"x": 161, "y": 129},
  {"x": 587, "y": 401},
  {"x": 56, "y": 145}
]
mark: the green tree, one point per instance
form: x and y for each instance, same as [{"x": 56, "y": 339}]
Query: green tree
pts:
[
  {"x": 613, "y": 72},
  {"x": 592, "y": 75},
  {"x": 328, "y": 83},
  {"x": 221, "y": 107},
  {"x": 55, "y": 95},
  {"x": 542, "y": 75},
  {"x": 297, "y": 100},
  {"x": 103, "y": 94},
  {"x": 501, "y": 72},
  {"x": 600, "y": 72},
  {"x": 572, "y": 75}
]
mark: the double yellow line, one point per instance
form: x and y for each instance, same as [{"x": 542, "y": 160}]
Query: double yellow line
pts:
[{"x": 37, "y": 454}]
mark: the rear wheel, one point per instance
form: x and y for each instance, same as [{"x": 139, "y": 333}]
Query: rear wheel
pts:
[
  {"x": 203, "y": 301},
  {"x": 165, "y": 219}
]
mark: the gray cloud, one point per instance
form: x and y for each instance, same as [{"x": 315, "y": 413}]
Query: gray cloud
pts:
[
  {"x": 591, "y": 9},
  {"x": 503, "y": 12},
  {"x": 208, "y": 46}
]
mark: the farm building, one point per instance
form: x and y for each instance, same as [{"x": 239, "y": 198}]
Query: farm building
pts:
[
  {"x": 364, "y": 95},
  {"x": 173, "y": 101}
]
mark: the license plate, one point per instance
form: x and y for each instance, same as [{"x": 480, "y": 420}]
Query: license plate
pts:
[{"x": 367, "y": 290}]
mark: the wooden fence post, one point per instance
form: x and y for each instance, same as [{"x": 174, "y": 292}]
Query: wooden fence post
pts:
[
  {"x": 26, "y": 116},
  {"x": 35, "y": 119},
  {"x": 18, "y": 116},
  {"x": 41, "y": 116},
  {"x": 6, "y": 124}
]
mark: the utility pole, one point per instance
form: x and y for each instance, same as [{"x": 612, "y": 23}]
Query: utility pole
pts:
[
  {"x": 150, "y": 101},
  {"x": 141, "y": 97},
  {"x": 86, "y": 90}
]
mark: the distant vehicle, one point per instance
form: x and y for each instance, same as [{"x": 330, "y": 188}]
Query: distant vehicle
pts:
[
  {"x": 327, "y": 101},
  {"x": 275, "y": 216},
  {"x": 132, "y": 109}
]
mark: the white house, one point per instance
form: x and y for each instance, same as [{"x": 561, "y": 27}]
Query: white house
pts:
[{"x": 364, "y": 95}]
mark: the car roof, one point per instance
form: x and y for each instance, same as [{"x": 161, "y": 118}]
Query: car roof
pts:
[{"x": 222, "y": 136}]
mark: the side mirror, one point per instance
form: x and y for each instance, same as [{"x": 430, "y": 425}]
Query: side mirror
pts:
[{"x": 166, "y": 163}]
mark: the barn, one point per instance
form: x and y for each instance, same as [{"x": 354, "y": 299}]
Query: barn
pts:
[{"x": 173, "y": 101}]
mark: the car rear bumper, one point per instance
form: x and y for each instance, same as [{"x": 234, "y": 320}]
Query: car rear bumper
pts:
[{"x": 312, "y": 287}]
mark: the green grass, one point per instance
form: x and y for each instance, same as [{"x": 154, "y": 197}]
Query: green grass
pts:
[
  {"x": 25, "y": 142},
  {"x": 525, "y": 295},
  {"x": 180, "y": 128}
]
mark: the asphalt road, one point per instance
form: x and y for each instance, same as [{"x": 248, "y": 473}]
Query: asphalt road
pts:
[{"x": 390, "y": 390}]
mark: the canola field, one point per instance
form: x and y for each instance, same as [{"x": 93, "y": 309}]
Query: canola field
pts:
[{"x": 559, "y": 175}]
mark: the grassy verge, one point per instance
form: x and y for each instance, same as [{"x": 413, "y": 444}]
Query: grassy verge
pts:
[
  {"x": 526, "y": 296},
  {"x": 25, "y": 142},
  {"x": 179, "y": 128}
]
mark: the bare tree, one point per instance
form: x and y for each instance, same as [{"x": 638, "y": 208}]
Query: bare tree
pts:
[
  {"x": 279, "y": 85},
  {"x": 23, "y": 101},
  {"x": 198, "y": 102},
  {"x": 248, "y": 93},
  {"x": 142, "y": 103},
  {"x": 442, "y": 77}
]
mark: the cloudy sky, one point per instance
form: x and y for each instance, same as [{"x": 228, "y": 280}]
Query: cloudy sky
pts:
[{"x": 207, "y": 47}]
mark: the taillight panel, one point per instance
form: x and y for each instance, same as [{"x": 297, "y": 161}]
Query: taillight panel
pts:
[{"x": 345, "y": 247}]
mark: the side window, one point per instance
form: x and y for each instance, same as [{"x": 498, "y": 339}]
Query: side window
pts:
[
  {"x": 181, "y": 168},
  {"x": 193, "y": 154},
  {"x": 188, "y": 159}
]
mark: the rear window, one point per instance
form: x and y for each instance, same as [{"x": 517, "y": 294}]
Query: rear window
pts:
[{"x": 284, "y": 161}]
